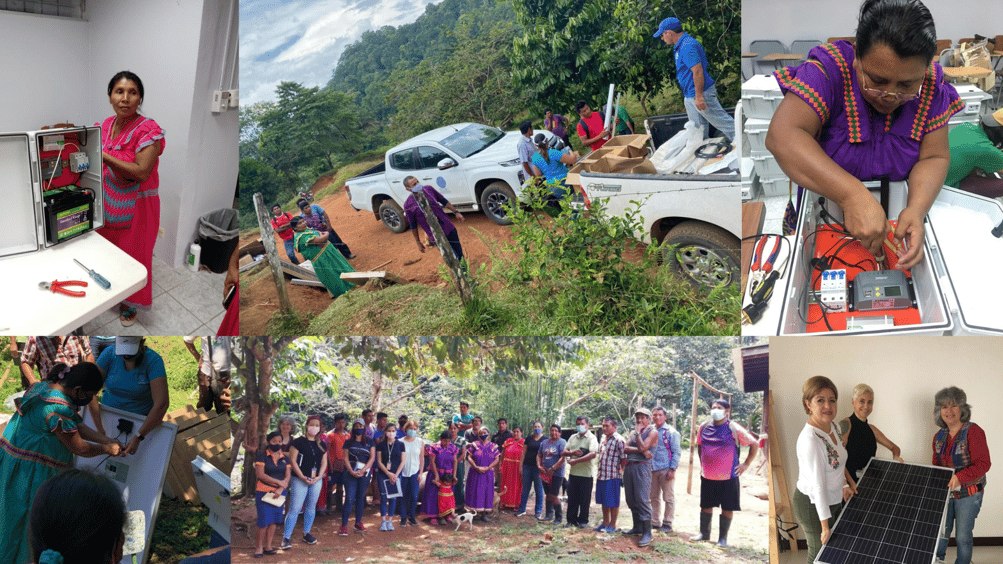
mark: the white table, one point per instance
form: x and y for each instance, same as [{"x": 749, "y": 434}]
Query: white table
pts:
[{"x": 29, "y": 310}]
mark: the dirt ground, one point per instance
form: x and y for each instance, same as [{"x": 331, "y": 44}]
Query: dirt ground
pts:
[
  {"x": 373, "y": 244},
  {"x": 511, "y": 539}
]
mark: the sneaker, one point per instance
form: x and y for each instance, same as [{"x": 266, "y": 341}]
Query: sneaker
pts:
[
  {"x": 359, "y": 527},
  {"x": 309, "y": 539},
  {"x": 390, "y": 525},
  {"x": 403, "y": 523},
  {"x": 412, "y": 522},
  {"x": 665, "y": 528},
  {"x": 343, "y": 531},
  {"x": 610, "y": 530},
  {"x": 600, "y": 529},
  {"x": 383, "y": 525},
  {"x": 286, "y": 545},
  {"x": 520, "y": 513}
]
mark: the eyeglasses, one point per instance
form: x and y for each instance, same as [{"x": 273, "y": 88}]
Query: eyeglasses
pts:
[{"x": 882, "y": 94}]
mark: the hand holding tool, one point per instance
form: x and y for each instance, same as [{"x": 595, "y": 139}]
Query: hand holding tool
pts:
[
  {"x": 57, "y": 286},
  {"x": 101, "y": 280}
]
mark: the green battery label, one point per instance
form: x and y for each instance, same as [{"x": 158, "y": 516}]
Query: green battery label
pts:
[{"x": 73, "y": 221}]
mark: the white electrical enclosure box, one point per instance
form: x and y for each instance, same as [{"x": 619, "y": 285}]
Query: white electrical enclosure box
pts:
[{"x": 214, "y": 490}]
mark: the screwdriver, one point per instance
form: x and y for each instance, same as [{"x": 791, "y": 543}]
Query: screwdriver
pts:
[{"x": 101, "y": 280}]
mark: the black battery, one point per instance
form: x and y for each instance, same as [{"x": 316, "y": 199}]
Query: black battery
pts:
[{"x": 69, "y": 212}]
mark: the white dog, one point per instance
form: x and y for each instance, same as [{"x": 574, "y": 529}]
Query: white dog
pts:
[{"x": 468, "y": 517}]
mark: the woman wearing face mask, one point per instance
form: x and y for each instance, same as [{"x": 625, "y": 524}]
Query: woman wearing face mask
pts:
[
  {"x": 414, "y": 461},
  {"x": 308, "y": 457},
  {"x": 390, "y": 453},
  {"x": 40, "y": 441},
  {"x": 327, "y": 261},
  {"x": 273, "y": 470},
  {"x": 823, "y": 482},
  {"x": 531, "y": 472},
  {"x": 442, "y": 459},
  {"x": 135, "y": 381},
  {"x": 861, "y": 111},
  {"x": 513, "y": 457},
  {"x": 860, "y": 437},
  {"x": 483, "y": 456},
  {"x": 77, "y": 517},
  {"x": 457, "y": 438},
  {"x": 360, "y": 455},
  {"x": 416, "y": 217},
  {"x": 961, "y": 445}
]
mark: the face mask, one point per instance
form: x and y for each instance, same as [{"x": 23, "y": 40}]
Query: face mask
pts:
[
  {"x": 357, "y": 432},
  {"x": 411, "y": 433},
  {"x": 537, "y": 431},
  {"x": 416, "y": 188},
  {"x": 484, "y": 437},
  {"x": 312, "y": 430},
  {"x": 81, "y": 402},
  {"x": 582, "y": 429},
  {"x": 275, "y": 448},
  {"x": 717, "y": 414}
]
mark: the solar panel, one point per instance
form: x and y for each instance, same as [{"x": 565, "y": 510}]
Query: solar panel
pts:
[{"x": 895, "y": 518}]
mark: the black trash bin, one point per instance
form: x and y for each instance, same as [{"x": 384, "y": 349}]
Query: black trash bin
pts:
[{"x": 218, "y": 237}]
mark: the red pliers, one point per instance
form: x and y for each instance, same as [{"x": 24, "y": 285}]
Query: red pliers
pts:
[
  {"x": 758, "y": 274},
  {"x": 57, "y": 286}
]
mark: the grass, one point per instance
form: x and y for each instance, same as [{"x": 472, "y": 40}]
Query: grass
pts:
[{"x": 181, "y": 530}]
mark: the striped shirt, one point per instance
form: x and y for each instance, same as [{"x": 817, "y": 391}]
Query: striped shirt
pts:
[
  {"x": 46, "y": 352},
  {"x": 611, "y": 457}
]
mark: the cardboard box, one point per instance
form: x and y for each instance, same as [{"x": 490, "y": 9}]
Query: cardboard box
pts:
[
  {"x": 612, "y": 163},
  {"x": 635, "y": 145}
]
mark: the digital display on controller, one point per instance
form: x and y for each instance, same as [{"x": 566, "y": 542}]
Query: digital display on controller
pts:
[{"x": 893, "y": 291}]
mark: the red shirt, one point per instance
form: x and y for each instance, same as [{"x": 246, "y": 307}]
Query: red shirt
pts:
[
  {"x": 977, "y": 447},
  {"x": 336, "y": 452},
  {"x": 595, "y": 125},
  {"x": 279, "y": 222}
]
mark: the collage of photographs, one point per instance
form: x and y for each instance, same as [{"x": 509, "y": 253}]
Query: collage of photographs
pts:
[{"x": 454, "y": 281}]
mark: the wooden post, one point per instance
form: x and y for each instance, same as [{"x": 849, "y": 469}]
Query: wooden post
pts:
[
  {"x": 674, "y": 416},
  {"x": 462, "y": 280},
  {"x": 268, "y": 240}
]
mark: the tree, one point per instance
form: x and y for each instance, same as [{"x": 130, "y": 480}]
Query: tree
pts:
[{"x": 256, "y": 176}]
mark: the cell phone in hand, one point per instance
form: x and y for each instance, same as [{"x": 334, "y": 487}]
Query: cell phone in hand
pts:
[{"x": 229, "y": 296}]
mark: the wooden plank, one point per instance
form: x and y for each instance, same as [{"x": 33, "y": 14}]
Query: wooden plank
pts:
[
  {"x": 301, "y": 282},
  {"x": 251, "y": 265},
  {"x": 297, "y": 271},
  {"x": 363, "y": 275}
]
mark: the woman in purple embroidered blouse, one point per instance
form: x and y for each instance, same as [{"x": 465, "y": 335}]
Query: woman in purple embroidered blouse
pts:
[{"x": 877, "y": 108}]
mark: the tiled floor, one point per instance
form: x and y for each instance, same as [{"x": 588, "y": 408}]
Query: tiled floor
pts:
[{"x": 184, "y": 303}]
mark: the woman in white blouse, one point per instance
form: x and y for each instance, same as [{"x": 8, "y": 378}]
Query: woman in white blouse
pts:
[{"x": 823, "y": 482}]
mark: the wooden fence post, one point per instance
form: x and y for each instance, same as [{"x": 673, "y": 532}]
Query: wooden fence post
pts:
[{"x": 268, "y": 240}]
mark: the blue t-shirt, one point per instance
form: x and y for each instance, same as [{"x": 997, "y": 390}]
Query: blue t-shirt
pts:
[
  {"x": 129, "y": 390},
  {"x": 551, "y": 451},
  {"x": 555, "y": 169},
  {"x": 689, "y": 53}
]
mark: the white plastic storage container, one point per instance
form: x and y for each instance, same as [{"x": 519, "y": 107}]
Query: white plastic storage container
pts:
[
  {"x": 760, "y": 96},
  {"x": 747, "y": 173},
  {"x": 767, "y": 166},
  {"x": 955, "y": 290},
  {"x": 756, "y": 130},
  {"x": 976, "y": 104},
  {"x": 775, "y": 185},
  {"x": 22, "y": 174}
]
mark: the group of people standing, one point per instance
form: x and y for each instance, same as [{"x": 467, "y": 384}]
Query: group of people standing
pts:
[
  {"x": 470, "y": 469},
  {"x": 832, "y": 456}
]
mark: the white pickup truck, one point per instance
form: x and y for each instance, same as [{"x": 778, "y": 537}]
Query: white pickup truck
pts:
[
  {"x": 696, "y": 214},
  {"x": 474, "y": 166}
]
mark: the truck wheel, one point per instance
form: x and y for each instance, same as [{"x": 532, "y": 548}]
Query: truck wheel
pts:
[
  {"x": 494, "y": 199},
  {"x": 393, "y": 216},
  {"x": 706, "y": 255}
]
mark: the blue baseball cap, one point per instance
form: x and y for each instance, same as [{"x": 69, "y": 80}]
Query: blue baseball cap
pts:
[{"x": 668, "y": 23}]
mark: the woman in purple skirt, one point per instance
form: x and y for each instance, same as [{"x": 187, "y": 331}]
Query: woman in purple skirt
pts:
[
  {"x": 482, "y": 457},
  {"x": 443, "y": 459},
  {"x": 873, "y": 109}
]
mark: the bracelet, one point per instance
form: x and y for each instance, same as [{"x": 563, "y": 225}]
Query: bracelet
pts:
[{"x": 846, "y": 485}]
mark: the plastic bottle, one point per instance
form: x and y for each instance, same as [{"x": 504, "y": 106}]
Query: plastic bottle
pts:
[{"x": 194, "y": 257}]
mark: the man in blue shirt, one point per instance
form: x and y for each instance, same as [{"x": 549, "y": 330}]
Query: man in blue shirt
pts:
[
  {"x": 699, "y": 92},
  {"x": 663, "y": 472}
]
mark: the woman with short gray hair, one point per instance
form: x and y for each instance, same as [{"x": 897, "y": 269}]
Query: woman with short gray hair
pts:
[
  {"x": 287, "y": 427},
  {"x": 961, "y": 445}
]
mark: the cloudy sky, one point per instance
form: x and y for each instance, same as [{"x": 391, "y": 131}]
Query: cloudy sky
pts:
[{"x": 301, "y": 40}]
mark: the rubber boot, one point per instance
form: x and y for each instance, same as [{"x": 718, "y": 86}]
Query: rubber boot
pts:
[
  {"x": 549, "y": 515},
  {"x": 638, "y": 527},
  {"x": 722, "y": 539},
  {"x": 704, "y": 527},
  {"x": 645, "y": 539},
  {"x": 558, "y": 513}
]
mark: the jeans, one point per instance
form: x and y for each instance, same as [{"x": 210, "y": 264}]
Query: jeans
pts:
[
  {"x": 299, "y": 493},
  {"x": 387, "y": 505},
  {"x": 806, "y": 515},
  {"x": 961, "y": 514},
  {"x": 355, "y": 497},
  {"x": 714, "y": 114},
  {"x": 290, "y": 252},
  {"x": 531, "y": 476},
  {"x": 409, "y": 503}
]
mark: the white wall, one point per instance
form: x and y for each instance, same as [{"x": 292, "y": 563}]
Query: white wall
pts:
[
  {"x": 905, "y": 373},
  {"x": 58, "y": 70},
  {"x": 787, "y": 20}
]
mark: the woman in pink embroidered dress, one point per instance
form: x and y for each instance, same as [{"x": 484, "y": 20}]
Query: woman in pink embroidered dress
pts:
[{"x": 131, "y": 147}]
